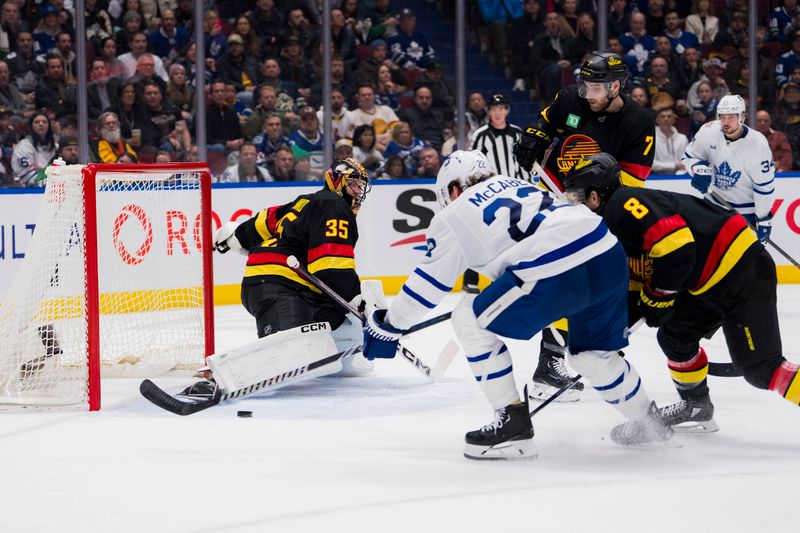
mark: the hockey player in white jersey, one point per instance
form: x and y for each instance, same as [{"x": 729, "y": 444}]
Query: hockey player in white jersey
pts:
[
  {"x": 546, "y": 259},
  {"x": 734, "y": 161}
]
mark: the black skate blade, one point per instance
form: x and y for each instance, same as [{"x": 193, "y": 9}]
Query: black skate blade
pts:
[{"x": 157, "y": 396}]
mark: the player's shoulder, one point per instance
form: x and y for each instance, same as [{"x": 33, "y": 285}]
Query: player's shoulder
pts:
[
  {"x": 325, "y": 202},
  {"x": 754, "y": 136},
  {"x": 633, "y": 113}
]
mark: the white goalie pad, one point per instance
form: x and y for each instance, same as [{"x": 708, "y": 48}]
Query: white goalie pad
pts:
[
  {"x": 373, "y": 295},
  {"x": 278, "y": 359}
]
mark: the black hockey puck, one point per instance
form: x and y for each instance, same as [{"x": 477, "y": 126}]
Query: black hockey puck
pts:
[{"x": 244, "y": 414}]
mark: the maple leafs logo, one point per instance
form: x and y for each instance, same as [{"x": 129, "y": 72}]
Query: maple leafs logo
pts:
[{"x": 725, "y": 177}]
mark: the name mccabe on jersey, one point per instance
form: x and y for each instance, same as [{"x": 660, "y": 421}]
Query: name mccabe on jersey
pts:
[{"x": 493, "y": 188}]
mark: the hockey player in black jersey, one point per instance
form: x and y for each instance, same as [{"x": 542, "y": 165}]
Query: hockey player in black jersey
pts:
[
  {"x": 320, "y": 230},
  {"x": 586, "y": 118},
  {"x": 695, "y": 267}
]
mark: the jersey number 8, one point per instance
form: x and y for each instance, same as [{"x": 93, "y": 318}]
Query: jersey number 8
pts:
[{"x": 636, "y": 208}]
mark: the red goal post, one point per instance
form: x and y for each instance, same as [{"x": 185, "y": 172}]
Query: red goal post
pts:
[{"x": 117, "y": 281}]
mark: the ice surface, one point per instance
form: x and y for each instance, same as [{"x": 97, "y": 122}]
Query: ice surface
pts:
[{"x": 383, "y": 453}]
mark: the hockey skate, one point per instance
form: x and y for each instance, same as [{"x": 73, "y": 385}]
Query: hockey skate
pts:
[
  {"x": 695, "y": 415},
  {"x": 651, "y": 429},
  {"x": 550, "y": 376},
  {"x": 509, "y": 437}
]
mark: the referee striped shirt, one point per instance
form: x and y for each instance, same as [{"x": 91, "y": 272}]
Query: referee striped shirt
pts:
[{"x": 497, "y": 145}]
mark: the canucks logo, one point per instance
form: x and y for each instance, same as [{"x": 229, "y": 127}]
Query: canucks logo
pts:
[{"x": 725, "y": 177}]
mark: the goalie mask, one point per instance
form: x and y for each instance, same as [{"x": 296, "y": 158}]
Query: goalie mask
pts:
[
  {"x": 461, "y": 169},
  {"x": 599, "y": 172},
  {"x": 350, "y": 180}
]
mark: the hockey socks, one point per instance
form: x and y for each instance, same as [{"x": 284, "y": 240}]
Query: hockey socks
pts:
[
  {"x": 493, "y": 371},
  {"x": 689, "y": 376},
  {"x": 785, "y": 381}
]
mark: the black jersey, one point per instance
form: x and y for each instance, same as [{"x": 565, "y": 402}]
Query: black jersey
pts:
[
  {"x": 628, "y": 134},
  {"x": 319, "y": 229},
  {"x": 675, "y": 241}
]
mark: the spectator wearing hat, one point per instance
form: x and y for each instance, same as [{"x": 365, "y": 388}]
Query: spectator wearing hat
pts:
[
  {"x": 734, "y": 34},
  {"x": 130, "y": 60},
  {"x": 44, "y": 36},
  {"x": 783, "y": 20},
  {"x": 111, "y": 146},
  {"x": 169, "y": 39},
  {"x": 427, "y": 122},
  {"x": 239, "y": 69},
  {"x": 222, "y": 122},
  {"x": 713, "y": 69},
  {"x": 12, "y": 101},
  {"x": 131, "y": 25},
  {"x": 267, "y": 23},
  {"x": 246, "y": 170},
  {"x": 788, "y": 60},
  {"x": 68, "y": 150},
  {"x": 778, "y": 142},
  {"x": 294, "y": 65},
  {"x": 309, "y": 142},
  {"x": 409, "y": 48},
  {"x": 382, "y": 21},
  {"x": 367, "y": 71}
]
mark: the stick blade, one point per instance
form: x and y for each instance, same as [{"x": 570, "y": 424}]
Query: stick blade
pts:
[
  {"x": 159, "y": 397},
  {"x": 445, "y": 358}
]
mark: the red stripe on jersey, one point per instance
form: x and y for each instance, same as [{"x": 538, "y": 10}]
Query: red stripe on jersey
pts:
[
  {"x": 342, "y": 250},
  {"x": 730, "y": 230},
  {"x": 638, "y": 171},
  {"x": 263, "y": 258},
  {"x": 695, "y": 363},
  {"x": 783, "y": 377},
  {"x": 661, "y": 229},
  {"x": 272, "y": 220}
]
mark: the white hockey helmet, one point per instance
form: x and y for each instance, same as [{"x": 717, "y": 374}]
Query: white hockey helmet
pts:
[
  {"x": 732, "y": 104},
  {"x": 462, "y": 168}
]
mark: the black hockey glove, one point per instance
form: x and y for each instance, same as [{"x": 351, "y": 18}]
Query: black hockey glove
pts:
[
  {"x": 655, "y": 306},
  {"x": 531, "y": 147}
]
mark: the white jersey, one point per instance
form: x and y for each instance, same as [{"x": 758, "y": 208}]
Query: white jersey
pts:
[
  {"x": 743, "y": 171},
  {"x": 500, "y": 224}
]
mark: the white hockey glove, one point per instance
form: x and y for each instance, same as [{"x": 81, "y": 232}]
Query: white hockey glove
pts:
[
  {"x": 701, "y": 176},
  {"x": 225, "y": 239}
]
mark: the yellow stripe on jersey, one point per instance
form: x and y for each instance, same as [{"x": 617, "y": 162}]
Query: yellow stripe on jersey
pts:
[
  {"x": 695, "y": 376},
  {"x": 672, "y": 242},
  {"x": 332, "y": 262},
  {"x": 735, "y": 251},
  {"x": 261, "y": 226},
  {"x": 793, "y": 392},
  {"x": 630, "y": 180},
  {"x": 277, "y": 270}
]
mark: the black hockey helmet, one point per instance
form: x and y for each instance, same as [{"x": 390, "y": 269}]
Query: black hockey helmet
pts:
[
  {"x": 598, "y": 172},
  {"x": 603, "y": 67},
  {"x": 341, "y": 178},
  {"x": 498, "y": 99}
]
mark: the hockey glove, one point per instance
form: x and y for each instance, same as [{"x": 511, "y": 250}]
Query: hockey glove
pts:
[
  {"x": 531, "y": 147},
  {"x": 655, "y": 306},
  {"x": 380, "y": 338},
  {"x": 764, "y": 227},
  {"x": 701, "y": 176},
  {"x": 225, "y": 239}
]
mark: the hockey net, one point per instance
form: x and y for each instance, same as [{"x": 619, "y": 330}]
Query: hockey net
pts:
[{"x": 117, "y": 279}]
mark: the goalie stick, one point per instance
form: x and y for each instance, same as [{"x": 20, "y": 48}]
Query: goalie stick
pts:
[{"x": 444, "y": 358}]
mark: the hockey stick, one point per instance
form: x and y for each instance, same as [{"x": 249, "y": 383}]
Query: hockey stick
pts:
[
  {"x": 179, "y": 406},
  {"x": 777, "y": 248},
  {"x": 293, "y": 263}
]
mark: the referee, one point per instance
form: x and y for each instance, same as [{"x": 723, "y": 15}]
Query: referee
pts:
[{"x": 496, "y": 140}]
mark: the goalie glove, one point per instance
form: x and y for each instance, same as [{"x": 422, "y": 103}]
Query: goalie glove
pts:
[
  {"x": 380, "y": 338},
  {"x": 225, "y": 239},
  {"x": 531, "y": 147},
  {"x": 656, "y": 306},
  {"x": 701, "y": 176},
  {"x": 764, "y": 227}
]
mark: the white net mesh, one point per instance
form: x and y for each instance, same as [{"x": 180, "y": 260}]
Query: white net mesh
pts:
[{"x": 150, "y": 278}]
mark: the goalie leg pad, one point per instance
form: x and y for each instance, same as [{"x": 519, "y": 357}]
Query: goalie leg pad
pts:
[
  {"x": 614, "y": 379},
  {"x": 373, "y": 295},
  {"x": 487, "y": 356},
  {"x": 280, "y": 356}
]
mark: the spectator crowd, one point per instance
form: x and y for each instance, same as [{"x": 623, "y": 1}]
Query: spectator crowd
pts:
[{"x": 392, "y": 104}]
